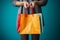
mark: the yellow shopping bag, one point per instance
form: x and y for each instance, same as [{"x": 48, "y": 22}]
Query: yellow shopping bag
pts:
[{"x": 29, "y": 24}]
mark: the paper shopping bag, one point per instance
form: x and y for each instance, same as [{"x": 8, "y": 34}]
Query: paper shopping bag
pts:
[{"x": 29, "y": 24}]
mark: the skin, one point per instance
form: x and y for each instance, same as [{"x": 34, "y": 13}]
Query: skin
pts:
[{"x": 31, "y": 4}]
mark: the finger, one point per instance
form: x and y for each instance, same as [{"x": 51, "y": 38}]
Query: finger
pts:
[
  {"x": 25, "y": 4},
  {"x": 31, "y": 4}
]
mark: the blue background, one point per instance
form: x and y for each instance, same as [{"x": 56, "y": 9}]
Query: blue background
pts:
[{"x": 8, "y": 16}]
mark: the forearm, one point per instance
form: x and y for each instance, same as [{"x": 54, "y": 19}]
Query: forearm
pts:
[
  {"x": 18, "y": 3},
  {"x": 41, "y": 3}
]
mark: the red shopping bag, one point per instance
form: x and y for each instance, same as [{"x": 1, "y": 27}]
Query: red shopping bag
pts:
[{"x": 18, "y": 22}]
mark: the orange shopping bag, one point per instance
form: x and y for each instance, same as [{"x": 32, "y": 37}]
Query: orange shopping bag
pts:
[{"x": 29, "y": 23}]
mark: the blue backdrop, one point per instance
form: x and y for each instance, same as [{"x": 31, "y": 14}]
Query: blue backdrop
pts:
[{"x": 8, "y": 16}]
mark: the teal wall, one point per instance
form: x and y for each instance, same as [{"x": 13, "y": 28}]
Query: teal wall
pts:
[{"x": 8, "y": 15}]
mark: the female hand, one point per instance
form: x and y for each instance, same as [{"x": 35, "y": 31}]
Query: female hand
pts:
[
  {"x": 26, "y": 5},
  {"x": 32, "y": 4}
]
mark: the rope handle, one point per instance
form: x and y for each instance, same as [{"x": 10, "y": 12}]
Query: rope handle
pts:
[
  {"x": 32, "y": 8},
  {"x": 26, "y": 9}
]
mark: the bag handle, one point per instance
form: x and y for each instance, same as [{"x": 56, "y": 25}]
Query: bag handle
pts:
[{"x": 26, "y": 9}]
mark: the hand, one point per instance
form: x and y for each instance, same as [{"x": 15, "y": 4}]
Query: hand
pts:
[
  {"x": 32, "y": 4},
  {"x": 26, "y": 5}
]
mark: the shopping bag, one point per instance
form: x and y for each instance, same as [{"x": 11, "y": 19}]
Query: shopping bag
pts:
[
  {"x": 29, "y": 24},
  {"x": 41, "y": 22},
  {"x": 18, "y": 22}
]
